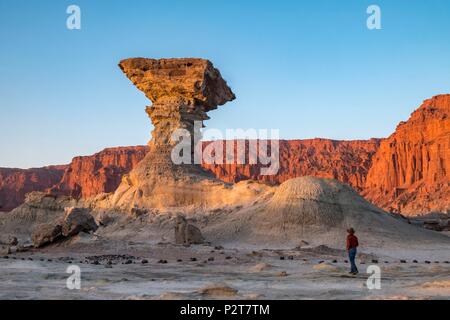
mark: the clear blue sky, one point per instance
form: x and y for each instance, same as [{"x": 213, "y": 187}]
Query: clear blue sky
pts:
[{"x": 309, "y": 68}]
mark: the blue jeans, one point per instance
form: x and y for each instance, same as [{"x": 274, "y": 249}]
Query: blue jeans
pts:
[{"x": 352, "y": 256}]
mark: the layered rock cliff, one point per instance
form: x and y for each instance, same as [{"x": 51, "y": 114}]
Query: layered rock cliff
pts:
[
  {"x": 100, "y": 173},
  {"x": 346, "y": 161},
  {"x": 411, "y": 170},
  {"x": 16, "y": 183}
]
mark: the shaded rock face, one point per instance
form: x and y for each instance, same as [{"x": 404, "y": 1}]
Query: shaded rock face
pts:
[
  {"x": 8, "y": 240},
  {"x": 16, "y": 183},
  {"x": 77, "y": 220},
  {"x": 186, "y": 233},
  {"x": 306, "y": 201},
  {"x": 5, "y": 250},
  {"x": 45, "y": 234},
  {"x": 411, "y": 170}
]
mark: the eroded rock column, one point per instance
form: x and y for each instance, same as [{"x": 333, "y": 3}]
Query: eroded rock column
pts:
[{"x": 182, "y": 92}]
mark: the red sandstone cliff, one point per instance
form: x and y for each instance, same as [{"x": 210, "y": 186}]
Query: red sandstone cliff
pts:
[
  {"x": 102, "y": 172},
  {"x": 346, "y": 161},
  {"x": 87, "y": 176},
  {"x": 16, "y": 183},
  {"x": 411, "y": 170}
]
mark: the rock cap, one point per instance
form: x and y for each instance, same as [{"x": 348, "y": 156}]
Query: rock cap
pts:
[{"x": 194, "y": 80}]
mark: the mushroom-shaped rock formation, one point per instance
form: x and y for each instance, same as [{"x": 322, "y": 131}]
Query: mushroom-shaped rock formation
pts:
[{"x": 182, "y": 92}]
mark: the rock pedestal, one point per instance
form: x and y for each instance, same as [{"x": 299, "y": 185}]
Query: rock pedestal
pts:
[{"x": 182, "y": 92}]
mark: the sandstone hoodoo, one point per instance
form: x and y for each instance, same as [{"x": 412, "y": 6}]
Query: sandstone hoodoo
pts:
[
  {"x": 45, "y": 234},
  {"x": 182, "y": 92}
]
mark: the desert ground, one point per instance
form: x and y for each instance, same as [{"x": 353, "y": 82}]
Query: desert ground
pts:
[
  {"x": 136, "y": 258},
  {"x": 119, "y": 271}
]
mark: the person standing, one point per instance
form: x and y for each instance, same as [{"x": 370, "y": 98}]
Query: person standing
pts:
[{"x": 352, "y": 244}]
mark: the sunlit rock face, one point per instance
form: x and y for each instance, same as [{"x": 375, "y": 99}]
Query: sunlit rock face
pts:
[
  {"x": 410, "y": 172},
  {"x": 88, "y": 176}
]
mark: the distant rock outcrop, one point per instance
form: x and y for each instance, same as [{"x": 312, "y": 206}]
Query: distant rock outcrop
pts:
[
  {"x": 8, "y": 240},
  {"x": 186, "y": 233},
  {"x": 100, "y": 173},
  {"x": 346, "y": 161},
  {"x": 16, "y": 183},
  {"x": 75, "y": 220},
  {"x": 411, "y": 170}
]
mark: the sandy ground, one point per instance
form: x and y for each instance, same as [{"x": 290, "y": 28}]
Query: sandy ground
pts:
[
  {"x": 208, "y": 272},
  {"x": 282, "y": 246}
]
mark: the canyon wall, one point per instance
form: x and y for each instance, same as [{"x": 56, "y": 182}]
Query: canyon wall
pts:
[
  {"x": 411, "y": 170},
  {"x": 100, "y": 173},
  {"x": 16, "y": 183},
  {"x": 346, "y": 161}
]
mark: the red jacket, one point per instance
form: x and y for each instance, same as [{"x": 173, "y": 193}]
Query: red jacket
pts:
[{"x": 352, "y": 241}]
